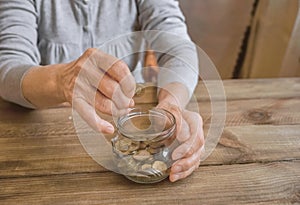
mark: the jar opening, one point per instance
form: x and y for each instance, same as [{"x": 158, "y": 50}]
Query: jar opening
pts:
[{"x": 140, "y": 125}]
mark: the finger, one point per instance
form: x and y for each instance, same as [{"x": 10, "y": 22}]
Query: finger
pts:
[
  {"x": 177, "y": 176},
  {"x": 93, "y": 97},
  {"x": 89, "y": 115},
  {"x": 112, "y": 90},
  {"x": 185, "y": 164},
  {"x": 184, "y": 132},
  {"x": 196, "y": 127},
  {"x": 175, "y": 110},
  {"x": 92, "y": 76},
  {"x": 191, "y": 118},
  {"x": 106, "y": 106},
  {"x": 103, "y": 104},
  {"x": 196, "y": 138},
  {"x": 182, "y": 175},
  {"x": 113, "y": 67},
  {"x": 128, "y": 85},
  {"x": 188, "y": 148},
  {"x": 119, "y": 71}
]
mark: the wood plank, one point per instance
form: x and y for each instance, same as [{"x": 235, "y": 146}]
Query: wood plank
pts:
[
  {"x": 252, "y": 112},
  {"x": 47, "y": 147},
  {"x": 11, "y": 113},
  {"x": 209, "y": 90},
  {"x": 271, "y": 183},
  {"x": 249, "y": 89},
  {"x": 42, "y": 161},
  {"x": 264, "y": 143},
  {"x": 234, "y": 90},
  {"x": 44, "y": 141},
  {"x": 52, "y": 153}
]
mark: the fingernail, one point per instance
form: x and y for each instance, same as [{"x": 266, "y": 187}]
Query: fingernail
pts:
[
  {"x": 177, "y": 169},
  {"x": 131, "y": 104},
  {"x": 175, "y": 178},
  {"x": 110, "y": 129}
]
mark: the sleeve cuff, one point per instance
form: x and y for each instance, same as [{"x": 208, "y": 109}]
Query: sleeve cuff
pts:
[{"x": 12, "y": 86}]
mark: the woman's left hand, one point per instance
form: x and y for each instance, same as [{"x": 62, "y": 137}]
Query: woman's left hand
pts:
[{"x": 190, "y": 136}]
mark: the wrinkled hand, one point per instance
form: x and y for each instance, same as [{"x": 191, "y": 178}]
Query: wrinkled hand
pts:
[
  {"x": 102, "y": 83},
  {"x": 190, "y": 135}
]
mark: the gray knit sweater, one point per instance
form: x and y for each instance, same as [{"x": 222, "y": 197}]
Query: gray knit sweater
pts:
[{"x": 42, "y": 32}]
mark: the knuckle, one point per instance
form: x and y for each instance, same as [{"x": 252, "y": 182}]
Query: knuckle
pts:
[
  {"x": 107, "y": 86},
  {"x": 188, "y": 164},
  {"x": 80, "y": 63},
  {"x": 189, "y": 144},
  {"x": 190, "y": 151},
  {"x": 120, "y": 64},
  {"x": 122, "y": 67},
  {"x": 90, "y": 51},
  {"x": 104, "y": 106}
]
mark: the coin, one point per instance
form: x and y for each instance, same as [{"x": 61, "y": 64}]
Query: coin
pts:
[
  {"x": 123, "y": 144},
  {"x": 160, "y": 166},
  {"x": 132, "y": 165},
  {"x": 141, "y": 155},
  {"x": 134, "y": 146},
  {"x": 146, "y": 166},
  {"x": 156, "y": 145},
  {"x": 152, "y": 150}
]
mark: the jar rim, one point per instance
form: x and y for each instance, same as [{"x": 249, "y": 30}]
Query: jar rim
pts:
[{"x": 155, "y": 136}]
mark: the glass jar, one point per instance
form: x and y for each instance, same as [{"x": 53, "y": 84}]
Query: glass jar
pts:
[{"x": 144, "y": 143}]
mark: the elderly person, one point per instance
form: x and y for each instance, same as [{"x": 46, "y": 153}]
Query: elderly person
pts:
[{"x": 45, "y": 45}]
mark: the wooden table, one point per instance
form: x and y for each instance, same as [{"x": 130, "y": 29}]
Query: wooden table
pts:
[{"x": 257, "y": 160}]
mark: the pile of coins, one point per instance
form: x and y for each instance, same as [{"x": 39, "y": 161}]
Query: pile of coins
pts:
[{"x": 142, "y": 162}]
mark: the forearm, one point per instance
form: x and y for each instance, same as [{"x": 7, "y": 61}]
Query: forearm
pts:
[
  {"x": 41, "y": 88},
  {"x": 174, "y": 94},
  {"x": 166, "y": 33}
]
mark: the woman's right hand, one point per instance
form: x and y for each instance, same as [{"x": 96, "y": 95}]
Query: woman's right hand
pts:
[
  {"x": 95, "y": 82},
  {"x": 98, "y": 82}
]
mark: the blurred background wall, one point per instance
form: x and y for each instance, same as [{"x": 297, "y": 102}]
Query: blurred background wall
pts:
[{"x": 247, "y": 38}]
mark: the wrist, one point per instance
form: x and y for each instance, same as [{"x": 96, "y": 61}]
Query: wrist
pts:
[
  {"x": 40, "y": 86},
  {"x": 56, "y": 82},
  {"x": 173, "y": 94}
]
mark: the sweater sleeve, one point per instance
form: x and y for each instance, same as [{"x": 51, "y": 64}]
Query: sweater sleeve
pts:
[
  {"x": 18, "y": 47},
  {"x": 177, "y": 54}
]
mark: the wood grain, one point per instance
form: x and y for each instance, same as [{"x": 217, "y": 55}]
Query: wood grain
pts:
[
  {"x": 257, "y": 160},
  {"x": 249, "y": 89},
  {"x": 252, "y": 112},
  {"x": 42, "y": 142},
  {"x": 271, "y": 183},
  {"x": 209, "y": 90},
  {"x": 264, "y": 143},
  {"x": 57, "y": 154}
]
